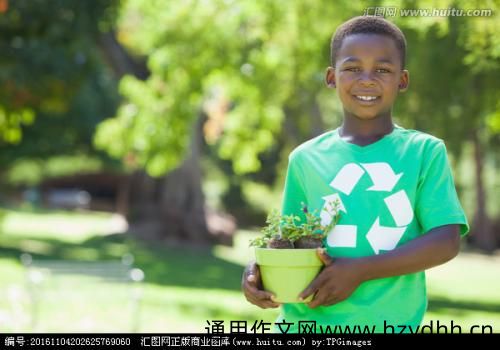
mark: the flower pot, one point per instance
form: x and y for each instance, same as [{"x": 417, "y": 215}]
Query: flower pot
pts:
[{"x": 287, "y": 272}]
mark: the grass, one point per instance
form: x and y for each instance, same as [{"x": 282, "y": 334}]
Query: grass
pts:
[
  {"x": 465, "y": 291},
  {"x": 184, "y": 287}
]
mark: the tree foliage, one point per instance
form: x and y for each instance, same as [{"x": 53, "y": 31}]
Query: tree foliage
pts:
[
  {"x": 454, "y": 63},
  {"x": 249, "y": 65},
  {"x": 55, "y": 87},
  {"x": 245, "y": 64}
]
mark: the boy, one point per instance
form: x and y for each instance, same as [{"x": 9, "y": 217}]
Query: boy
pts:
[{"x": 400, "y": 214}]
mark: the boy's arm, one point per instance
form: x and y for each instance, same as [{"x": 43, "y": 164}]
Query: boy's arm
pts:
[{"x": 342, "y": 276}]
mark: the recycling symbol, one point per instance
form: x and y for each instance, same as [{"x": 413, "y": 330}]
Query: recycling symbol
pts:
[{"x": 384, "y": 180}]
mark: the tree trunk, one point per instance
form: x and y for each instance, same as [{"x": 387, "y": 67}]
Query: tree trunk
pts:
[
  {"x": 481, "y": 228},
  {"x": 122, "y": 197},
  {"x": 118, "y": 58},
  {"x": 171, "y": 208},
  {"x": 182, "y": 201}
]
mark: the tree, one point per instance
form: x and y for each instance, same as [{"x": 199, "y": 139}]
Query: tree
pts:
[{"x": 55, "y": 88}]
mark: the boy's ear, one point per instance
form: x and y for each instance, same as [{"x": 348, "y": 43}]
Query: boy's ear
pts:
[
  {"x": 404, "y": 80},
  {"x": 330, "y": 77}
]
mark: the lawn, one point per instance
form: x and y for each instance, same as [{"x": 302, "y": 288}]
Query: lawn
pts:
[{"x": 183, "y": 287}]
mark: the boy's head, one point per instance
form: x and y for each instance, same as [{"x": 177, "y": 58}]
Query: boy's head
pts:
[
  {"x": 368, "y": 25},
  {"x": 367, "y": 66}
]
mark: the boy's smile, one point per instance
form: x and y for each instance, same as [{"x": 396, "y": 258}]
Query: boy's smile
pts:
[{"x": 367, "y": 75}]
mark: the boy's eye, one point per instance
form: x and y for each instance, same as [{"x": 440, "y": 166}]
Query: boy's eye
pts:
[
  {"x": 352, "y": 69},
  {"x": 382, "y": 70}
]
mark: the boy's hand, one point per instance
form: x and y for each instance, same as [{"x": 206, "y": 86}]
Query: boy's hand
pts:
[
  {"x": 251, "y": 284},
  {"x": 338, "y": 280}
]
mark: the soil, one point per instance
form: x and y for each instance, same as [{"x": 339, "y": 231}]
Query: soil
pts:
[
  {"x": 280, "y": 243},
  {"x": 308, "y": 242}
]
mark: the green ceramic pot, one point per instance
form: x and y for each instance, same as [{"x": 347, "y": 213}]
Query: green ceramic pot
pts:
[{"x": 287, "y": 272}]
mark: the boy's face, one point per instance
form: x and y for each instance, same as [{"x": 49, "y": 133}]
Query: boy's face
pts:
[{"x": 368, "y": 75}]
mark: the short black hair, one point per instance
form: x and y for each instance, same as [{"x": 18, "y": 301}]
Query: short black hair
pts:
[{"x": 368, "y": 25}]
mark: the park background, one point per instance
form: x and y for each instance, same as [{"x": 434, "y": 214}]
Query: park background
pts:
[{"x": 158, "y": 132}]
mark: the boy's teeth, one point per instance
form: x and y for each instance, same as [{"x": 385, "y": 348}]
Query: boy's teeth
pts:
[{"x": 366, "y": 98}]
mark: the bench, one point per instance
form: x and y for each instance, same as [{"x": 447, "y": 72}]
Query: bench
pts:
[{"x": 88, "y": 296}]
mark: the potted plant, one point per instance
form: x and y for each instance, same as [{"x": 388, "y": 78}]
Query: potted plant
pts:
[{"x": 286, "y": 251}]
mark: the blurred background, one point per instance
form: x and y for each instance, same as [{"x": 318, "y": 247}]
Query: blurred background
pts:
[{"x": 155, "y": 135}]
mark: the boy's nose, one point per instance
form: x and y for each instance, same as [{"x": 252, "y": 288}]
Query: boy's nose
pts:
[{"x": 366, "y": 79}]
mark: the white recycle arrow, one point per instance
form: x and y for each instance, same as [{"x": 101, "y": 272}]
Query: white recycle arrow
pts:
[
  {"x": 342, "y": 236},
  {"x": 382, "y": 175},
  {"x": 384, "y": 238},
  {"x": 384, "y": 179},
  {"x": 400, "y": 207},
  {"x": 347, "y": 178}
]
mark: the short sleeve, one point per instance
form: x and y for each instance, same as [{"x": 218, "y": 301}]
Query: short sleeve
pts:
[
  {"x": 294, "y": 192},
  {"x": 437, "y": 202}
]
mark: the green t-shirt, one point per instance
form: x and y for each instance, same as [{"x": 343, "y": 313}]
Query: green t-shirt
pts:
[{"x": 391, "y": 191}]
